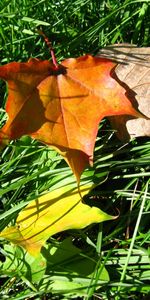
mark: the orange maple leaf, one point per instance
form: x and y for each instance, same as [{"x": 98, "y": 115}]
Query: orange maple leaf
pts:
[{"x": 62, "y": 105}]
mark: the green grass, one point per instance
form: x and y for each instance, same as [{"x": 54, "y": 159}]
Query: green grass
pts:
[{"x": 118, "y": 248}]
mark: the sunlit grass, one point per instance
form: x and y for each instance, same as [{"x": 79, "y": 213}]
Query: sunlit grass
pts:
[{"x": 28, "y": 168}]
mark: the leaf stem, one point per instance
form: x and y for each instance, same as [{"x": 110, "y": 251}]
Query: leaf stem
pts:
[{"x": 49, "y": 44}]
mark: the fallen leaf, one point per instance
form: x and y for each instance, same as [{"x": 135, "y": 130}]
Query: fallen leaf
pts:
[
  {"x": 18, "y": 262},
  {"x": 71, "y": 270},
  {"x": 134, "y": 70},
  {"x": 59, "y": 210},
  {"x": 59, "y": 266},
  {"x": 63, "y": 106}
]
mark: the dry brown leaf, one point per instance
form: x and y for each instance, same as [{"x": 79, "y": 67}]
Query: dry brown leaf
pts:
[{"x": 134, "y": 70}]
